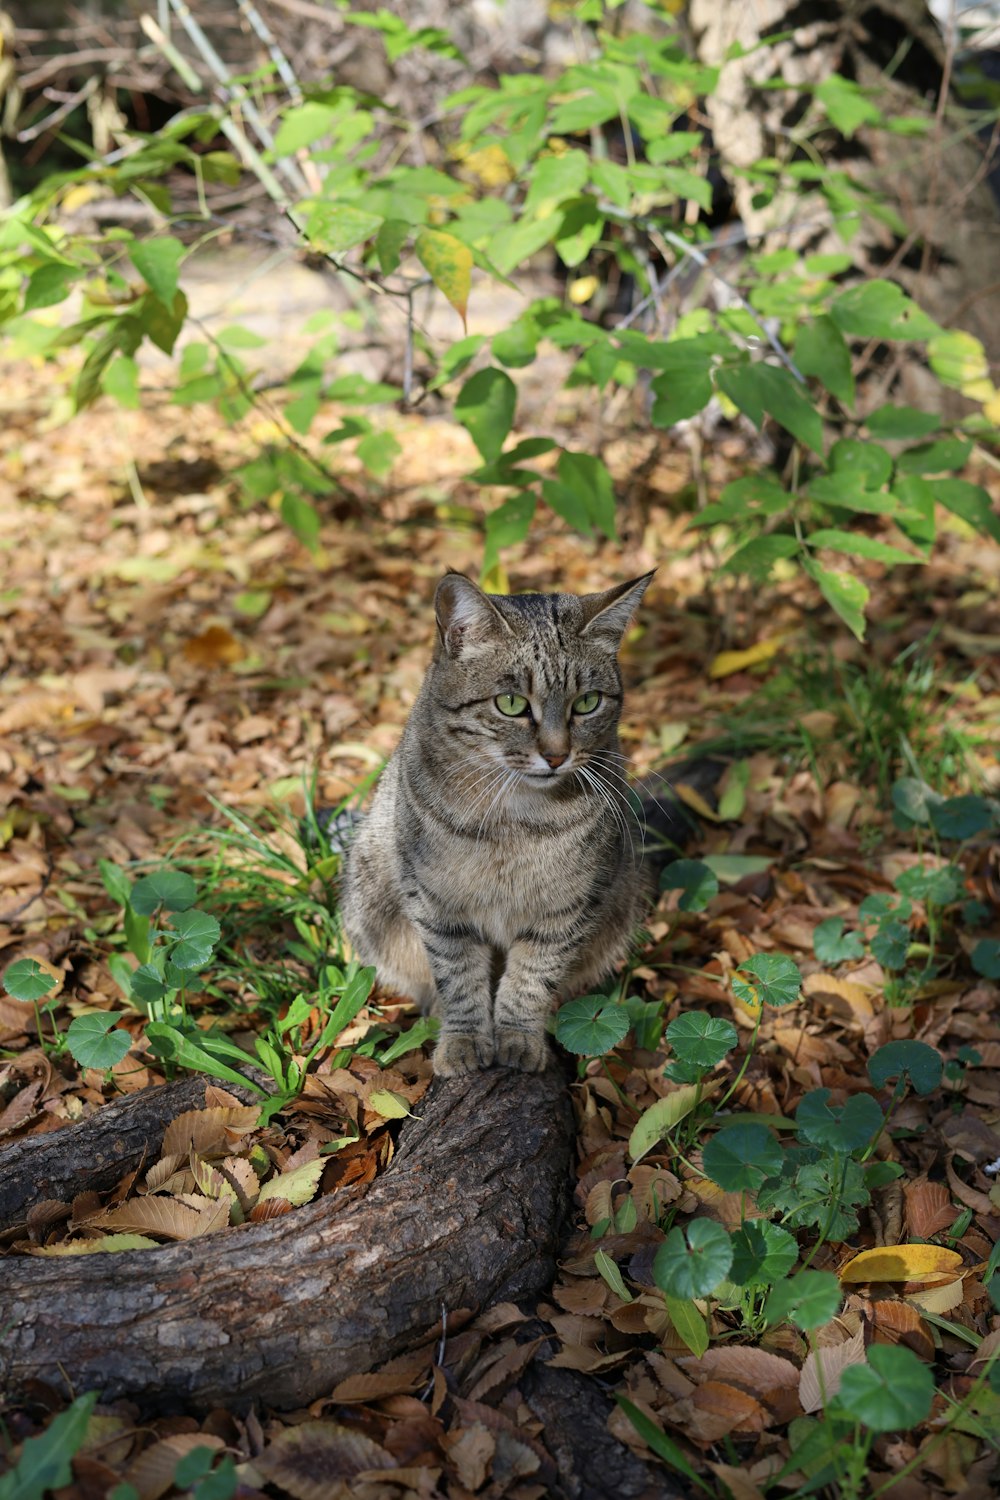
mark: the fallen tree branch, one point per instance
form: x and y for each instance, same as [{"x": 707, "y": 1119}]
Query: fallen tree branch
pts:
[{"x": 468, "y": 1214}]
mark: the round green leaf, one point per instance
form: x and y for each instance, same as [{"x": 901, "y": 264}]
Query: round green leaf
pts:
[
  {"x": 763, "y": 1253},
  {"x": 891, "y": 944},
  {"x": 198, "y": 933},
  {"x": 891, "y": 1393},
  {"x": 986, "y": 958},
  {"x": 27, "y": 980},
  {"x": 962, "y": 817},
  {"x": 918, "y": 1062},
  {"x": 701, "y": 1040},
  {"x": 808, "y": 1300},
  {"x": 691, "y": 1263},
  {"x": 740, "y": 1157},
  {"x": 147, "y": 984},
  {"x": 95, "y": 1042},
  {"x": 697, "y": 882},
  {"x": 774, "y": 980},
  {"x": 940, "y": 887},
  {"x": 914, "y": 799},
  {"x": 167, "y": 888},
  {"x": 830, "y": 944},
  {"x": 845, "y": 1129},
  {"x": 591, "y": 1025}
]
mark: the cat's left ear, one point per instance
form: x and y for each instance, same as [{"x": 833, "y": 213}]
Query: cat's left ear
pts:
[
  {"x": 607, "y": 616},
  {"x": 467, "y": 619}
]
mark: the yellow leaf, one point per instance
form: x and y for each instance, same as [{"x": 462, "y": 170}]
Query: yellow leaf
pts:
[
  {"x": 582, "y": 289},
  {"x": 389, "y": 1105},
  {"x": 449, "y": 265},
  {"x": 991, "y": 408},
  {"x": 495, "y": 580},
  {"x": 695, "y": 801},
  {"x": 297, "y": 1186},
  {"x": 106, "y": 1243},
  {"x": 662, "y": 1116},
  {"x": 77, "y": 197},
  {"x": 729, "y": 662},
  {"x": 901, "y": 1263}
]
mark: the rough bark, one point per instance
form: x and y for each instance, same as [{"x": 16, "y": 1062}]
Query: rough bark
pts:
[
  {"x": 469, "y": 1213},
  {"x": 97, "y": 1152}
]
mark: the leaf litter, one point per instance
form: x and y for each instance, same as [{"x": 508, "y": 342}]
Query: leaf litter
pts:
[{"x": 179, "y": 658}]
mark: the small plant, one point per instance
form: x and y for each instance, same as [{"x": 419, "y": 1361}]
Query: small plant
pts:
[{"x": 93, "y": 1040}]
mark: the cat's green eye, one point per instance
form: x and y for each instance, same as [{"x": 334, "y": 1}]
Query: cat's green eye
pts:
[
  {"x": 511, "y": 704},
  {"x": 586, "y": 703}
]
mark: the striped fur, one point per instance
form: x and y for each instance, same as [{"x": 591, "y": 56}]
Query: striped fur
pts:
[{"x": 484, "y": 881}]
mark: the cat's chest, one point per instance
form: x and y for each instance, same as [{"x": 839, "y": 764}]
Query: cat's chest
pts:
[{"x": 507, "y": 882}]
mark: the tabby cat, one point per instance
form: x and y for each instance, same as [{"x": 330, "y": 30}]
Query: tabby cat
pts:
[{"x": 496, "y": 868}]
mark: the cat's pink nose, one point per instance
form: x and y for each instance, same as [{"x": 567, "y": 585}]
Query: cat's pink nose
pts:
[{"x": 554, "y": 760}]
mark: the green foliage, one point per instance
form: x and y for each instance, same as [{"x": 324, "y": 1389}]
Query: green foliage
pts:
[
  {"x": 591, "y": 1025},
  {"x": 693, "y": 1261},
  {"x": 892, "y": 1391},
  {"x": 774, "y": 980},
  {"x": 44, "y": 1464},
  {"x": 25, "y": 979},
  {"x": 696, "y": 882},
  {"x": 525, "y": 170},
  {"x": 808, "y": 1300}
]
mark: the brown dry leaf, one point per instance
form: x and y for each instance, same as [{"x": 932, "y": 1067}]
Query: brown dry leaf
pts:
[
  {"x": 715, "y": 1409},
  {"x": 162, "y": 1171},
  {"x": 900, "y": 1323},
  {"x": 844, "y": 996},
  {"x": 160, "y": 1216},
  {"x": 737, "y": 1482},
  {"x": 22, "y": 1109},
  {"x": 152, "y": 1474},
  {"x": 471, "y": 1452},
  {"x": 598, "y": 1206},
  {"x": 929, "y": 1208},
  {"x": 586, "y": 1297},
  {"x": 901, "y": 1263},
  {"x": 505, "y": 1370},
  {"x": 753, "y": 1368},
  {"x": 214, "y": 647},
  {"x": 400, "y": 1376},
  {"x": 318, "y": 1460},
  {"x": 824, "y": 1368},
  {"x": 207, "y": 1132},
  {"x": 272, "y": 1208},
  {"x": 979, "y": 1202},
  {"x": 939, "y": 1299}
]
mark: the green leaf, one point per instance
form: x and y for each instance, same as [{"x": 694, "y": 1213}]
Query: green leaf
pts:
[
  {"x": 848, "y": 1128},
  {"x": 808, "y": 1300},
  {"x": 700, "y": 1040},
  {"x": 901, "y": 422},
  {"x": 170, "y": 889},
  {"x": 389, "y": 241},
  {"x": 774, "y": 980},
  {"x": 333, "y": 228},
  {"x": 588, "y": 478},
  {"x": 757, "y": 557},
  {"x": 845, "y": 594},
  {"x": 485, "y": 407},
  {"x": 48, "y": 285},
  {"x": 172, "y": 1045},
  {"x": 44, "y": 1464},
  {"x": 95, "y": 1042},
  {"x": 554, "y": 180},
  {"x": 677, "y": 398},
  {"x": 986, "y": 958},
  {"x": 763, "y": 1253},
  {"x": 515, "y": 346},
  {"x": 697, "y": 882},
  {"x": 147, "y": 984},
  {"x": 27, "y": 980},
  {"x": 739, "y": 1157},
  {"x": 879, "y": 310},
  {"x": 868, "y": 462},
  {"x": 892, "y": 1392},
  {"x": 448, "y": 262},
  {"x": 664, "y": 1447},
  {"x": 581, "y": 227},
  {"x": 970, "y": 502},
  {"x": 958, "y": 359},
  {"x": 831, "y": 946},
  {"x": 302, "y": 125},
  {"x": 115, "y": 882},
  {"x": 660, "y": 1118},
  {"x": 378, "y": 452},
  {"x": 890, "y": 944},
  {"x": 732, "y": 868},
  {"x": 916, "y": 1061},
  {"x": 939, "y": 887},
  {"x": 507, "y": 526},
  {"x": 857, "y": 545},
  {"x": 692, "y": 1261},
  {"x": 301, "y": 518},
  {"x": 120, "y": 381},
  {"x": 158, "y": 263},
  {"x": 914, "y": 799},
  {"x": 962, "y": 817},
  {"x": 846, "y": 105},
  {"x": 760, "y": 387},
  {"x": 591, "y": 1025},
  {"x": 936, "y": 458},
  {"x": 198, "y": 933},
  {"x": 820, "y": 350},
  {"x": 689, "y": 1324},
  {"x": 610, "y": 1273},
  {"x": 852, "y": 492}
]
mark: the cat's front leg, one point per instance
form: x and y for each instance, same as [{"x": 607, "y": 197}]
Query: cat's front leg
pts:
[
  {"x": 461, "y": 963},
  {"x": 535, "y": 969}
]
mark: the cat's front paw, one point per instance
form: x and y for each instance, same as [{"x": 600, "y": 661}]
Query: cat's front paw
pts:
[
  {"x": 527, "y": 1050},
  {"x": 462, "y": 1052}
]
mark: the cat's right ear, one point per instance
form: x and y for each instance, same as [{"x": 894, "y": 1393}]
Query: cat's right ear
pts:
[{"x": 467, "y": 619}]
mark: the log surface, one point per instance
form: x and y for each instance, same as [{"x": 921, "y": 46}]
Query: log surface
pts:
[{"x": 468, "y": 1213}]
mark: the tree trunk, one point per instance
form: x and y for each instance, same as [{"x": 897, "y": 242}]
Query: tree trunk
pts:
[{"x": 468, "y": 1213}]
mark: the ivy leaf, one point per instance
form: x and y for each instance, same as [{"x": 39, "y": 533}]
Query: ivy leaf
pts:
[
  {"x": 847, "y": 1128},
  {"x": 740, "y": 1157},
  {"x": 170, "y": 889},
  {"x": 808, "y": 1300},
  {"x": 198, "y": 933},
  {"x": 774, "y": 980},
  {"x": 692, "y": 1261},
  {"x": 25, "y": 979},
  {"x": 591, "y": 1025},
  {"x": 830, "y": 944},
  {"x": 448, "y": 262},
  {"x": 916, "y": 1061},
  {"x": 701, "y": 1040},
  {"x": 485, "y": 407},
  {"x": 763, "y": 1253},
  {"x": 892, "y": 1392},
  {"x": 95, "y": 1042},
  {"x": 696, "y": 881}
]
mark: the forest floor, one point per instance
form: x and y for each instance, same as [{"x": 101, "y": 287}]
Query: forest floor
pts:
[{"x": 168, "y": 648}]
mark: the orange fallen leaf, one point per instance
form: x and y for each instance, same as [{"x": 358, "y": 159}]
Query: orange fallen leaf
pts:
[
  {"x": 727, "y": 663},
  {"x": 214, "y": 647}
]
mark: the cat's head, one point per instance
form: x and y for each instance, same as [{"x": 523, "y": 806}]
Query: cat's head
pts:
[{"x": 530, "y": 682}]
